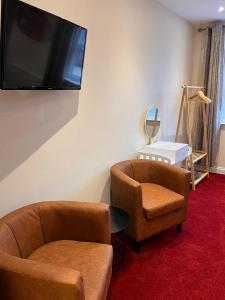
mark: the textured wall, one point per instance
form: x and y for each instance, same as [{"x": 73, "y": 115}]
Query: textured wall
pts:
[{"x": 60, "y": 145}]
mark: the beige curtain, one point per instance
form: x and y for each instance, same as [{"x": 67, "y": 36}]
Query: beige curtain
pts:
[
  {"x": 214, "y": 76},
  {"x": 211, "y": 76},
  {"x": 202, "y": 80}
]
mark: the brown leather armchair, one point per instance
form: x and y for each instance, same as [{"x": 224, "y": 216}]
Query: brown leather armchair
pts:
[
  {"x": 55, "y": 250},
  {"x": 154, "y": 194}
]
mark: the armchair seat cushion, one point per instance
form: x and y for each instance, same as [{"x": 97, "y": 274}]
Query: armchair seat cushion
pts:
[
  {"x": 158, "y": 200},
  {"x": 92, "y": 260}
]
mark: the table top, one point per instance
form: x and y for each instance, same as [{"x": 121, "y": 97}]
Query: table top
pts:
[
  {"x": 168, "y": 152},
  {"x": 119, "y": 219},
  {"x": 163, "y": 145}
]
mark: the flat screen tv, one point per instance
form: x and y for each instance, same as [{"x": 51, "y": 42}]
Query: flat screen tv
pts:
[{"x": 39, "y": 50}]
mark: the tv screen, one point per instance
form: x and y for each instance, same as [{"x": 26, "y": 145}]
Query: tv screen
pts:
[{"x": 39, "y": 50}]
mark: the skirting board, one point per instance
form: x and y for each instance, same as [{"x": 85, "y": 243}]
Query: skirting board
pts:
[{"x": 218, "y": 170}]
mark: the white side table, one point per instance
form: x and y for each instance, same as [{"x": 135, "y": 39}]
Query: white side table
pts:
[{"x": 171, "y": 153}]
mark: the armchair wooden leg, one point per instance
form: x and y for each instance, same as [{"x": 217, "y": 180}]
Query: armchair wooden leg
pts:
[
  {"x": 137, "y": 247},
  {"x": 179, "y": 228}
]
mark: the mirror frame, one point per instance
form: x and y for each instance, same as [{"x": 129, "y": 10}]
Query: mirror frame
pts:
[{"x": 146, "y": 116}]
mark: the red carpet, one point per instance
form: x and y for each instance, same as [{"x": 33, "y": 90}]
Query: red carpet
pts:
[{"x": 186, "y": 267}]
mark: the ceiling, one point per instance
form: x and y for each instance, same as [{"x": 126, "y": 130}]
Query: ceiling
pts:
[{"x": 196, "y": 11}]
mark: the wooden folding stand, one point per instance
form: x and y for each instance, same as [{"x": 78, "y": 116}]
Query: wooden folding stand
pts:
[{"x": 200, "y": 109}]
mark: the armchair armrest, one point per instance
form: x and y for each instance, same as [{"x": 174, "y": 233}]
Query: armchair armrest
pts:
[
  {"x": 126, "y": 193},
  {"x": 70, "y": 220},
  {"x": 26, "y": 279},
  {"x": 171, "y": 177}
]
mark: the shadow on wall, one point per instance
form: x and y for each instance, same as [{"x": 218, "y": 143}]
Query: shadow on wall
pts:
[
  {"x": 98, "y": 185},
  {"x": 105, "y": 196},
  {"x": 28, "y": 119}
]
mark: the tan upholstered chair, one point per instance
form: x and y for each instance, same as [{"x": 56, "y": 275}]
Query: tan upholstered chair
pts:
[
  {"x": 55, "y": 251},
  {"x": 154, "y": 194}
]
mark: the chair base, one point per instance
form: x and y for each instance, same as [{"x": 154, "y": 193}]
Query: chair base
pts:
[
  {"x": 179, "y": 228},
  {"x": 137, "y": 247}
]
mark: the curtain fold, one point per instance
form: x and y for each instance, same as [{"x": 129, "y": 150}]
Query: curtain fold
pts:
[
  {"x": 203, "y": 76},
  {"x": 211, "y": 71},
  {"x": 214, "y": 82}
]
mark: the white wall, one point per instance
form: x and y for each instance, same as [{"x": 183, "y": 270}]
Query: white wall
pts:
[
  {"x": 60, "y": 145},
  {"x": 198, "y": 49}
]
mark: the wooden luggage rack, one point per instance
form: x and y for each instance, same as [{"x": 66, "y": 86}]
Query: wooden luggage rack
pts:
[{"x": 201, "y": 103}]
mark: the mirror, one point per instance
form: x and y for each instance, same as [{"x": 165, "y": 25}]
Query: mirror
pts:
[{"x": 152, "y": 122}]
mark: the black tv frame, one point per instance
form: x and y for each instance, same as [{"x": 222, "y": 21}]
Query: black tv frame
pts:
[{"x": 2, "y": 51}]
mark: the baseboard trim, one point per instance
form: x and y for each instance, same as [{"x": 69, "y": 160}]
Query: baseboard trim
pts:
[{"x": 218, "y": 170}]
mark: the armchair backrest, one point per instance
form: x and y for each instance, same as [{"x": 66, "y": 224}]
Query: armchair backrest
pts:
[
  {"x": 63, "y": 220},
  {"x": 8, "y": 243},
  {"x": 30, "y": 227},
  {"x": 21, "y": 232},
  {"x": 126, "y": 168},
  {"x": 139, "y": 170},
  {"x": 142, "y": 170},
  {"x": 147, "y": 171}
]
